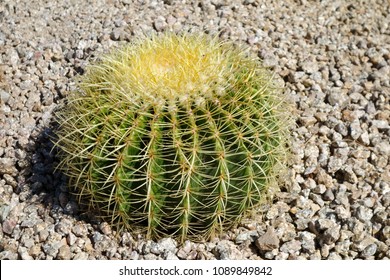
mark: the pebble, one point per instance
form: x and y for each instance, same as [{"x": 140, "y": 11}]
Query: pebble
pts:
[
  {"x": 307, "y": 240},
  {"x": 334, "y": 164},
  {"x": 105, "y": 228},
  {"x": 355, "y": 129},
  {"x": 64, "y": 253},
  {"x": 331, "y": 235},
  {"x": 168, "y": 255},
  {"x": 167, "y": 244},
  {"x": 7, "y": 166},
  {"x": 8, "y": 255},
  {"x": 50, "y": 249},
  {"x": 369, "y": 251},
  {"x": 4, "y": 96},
  {"x": 328, "y": 195},
  {"x": 43, "y": 235},
  {"x": 35, "y": 251},
  {"x": 24, "y": 254},
  {"x": 247, "y": 236},
  {"x": 225, "y": 250},
  {"x": 291, "y": 247},
  {"x": 364, "y": 214},
  {"x": 79, "y": 230},
  {"x": 268, "y": 241},
  {"x": 81, "y": 256},
  {"x": 64, "y": 227}
]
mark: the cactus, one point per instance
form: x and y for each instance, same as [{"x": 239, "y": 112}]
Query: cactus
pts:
[{"x": 176, "y": 135}]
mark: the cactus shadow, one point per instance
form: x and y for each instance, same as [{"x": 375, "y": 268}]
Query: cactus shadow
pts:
[{"x": 47, "y": 183}]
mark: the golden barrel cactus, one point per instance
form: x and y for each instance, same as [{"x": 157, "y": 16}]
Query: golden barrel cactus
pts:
[{"x": 176, "y": 135}]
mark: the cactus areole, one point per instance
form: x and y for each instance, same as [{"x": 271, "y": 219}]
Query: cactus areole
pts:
[{"x": 176, "y": 135}]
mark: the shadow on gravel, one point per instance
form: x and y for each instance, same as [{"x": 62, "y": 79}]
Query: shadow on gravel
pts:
[{"x": 48, "y": 183}]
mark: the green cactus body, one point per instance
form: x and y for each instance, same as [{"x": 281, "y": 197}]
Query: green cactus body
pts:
[{"x": 178, "y": 135}]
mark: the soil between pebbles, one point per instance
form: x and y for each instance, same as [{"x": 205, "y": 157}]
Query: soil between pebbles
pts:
[{"x": 334, "y": 60}]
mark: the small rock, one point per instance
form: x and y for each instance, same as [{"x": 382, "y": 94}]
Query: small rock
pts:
[
  {"x": 80, "y": 230},
  {"x": 7, "y": 166},
  {"x": 111, "y": 252},
  {"x": 43, "y": 235},
  {"x": 291, "y": 247},
  {"x": 325, "y": 251},
  {"x": 168, "y": 255},
  {"x": 364, "y": 214},
  {"x": 50, "y": 249},
  {"x": 386, "y": 233},
  {"x": 13, "y": 57},
  {"x": 4, "y": 211},
  {"x": 319, "y": 189},
  {"x": 369, "y": 251},
  {"x": 160, "y": 23},
  {"x": 134, "y": 255},
  {"x": 310, "y": 66},
  {"x": 8, "y": 255},
  {"x": 342, "y": 129},
  {"x": 248, "y": 235},
  {"x": 4, "y": 96},
  {"x": 116, "y": 34},
  {"x": 334, "y": 256},
  {"x": 126, "y": 239},
  {"x": 323, "y": 177},
  {"x": 105, "y": 228},
  {"x": 226, "y": 250},
  {"x": 296, "y": 77},
  {"x": 365, "y": 138},
  {"x": 384, "y": 148},
  {"x": 101, "y": 243},
  {"x": 81, "y": 256},
  {"x": 380, "y": 124},
  {"x": 270, "y": 60},
  {"x": 363, "y": 244},
  {"x": 331, "y": 235},
  {"x": 268, "y": 241},
  {"x": 71, "y": 239},
  {"x": 64, "y": 227},
  {"x": 307, "y": 241},
  {"x": 285, "y": 231},
  {"x": 182, "y": 254},
  {"x": 337, "y": 97},
  {"x": 323, "y": 224},
  {"x": 355, "y": 129},
  {"x": 342, "y": 212},
  {"x": 184, "y": 250},
  {"x": 349, "y": 175},
  {"x": 8, "y": 226},
  {"x": 150, "y": 256},
  {"x": 35, "y": 250},
  {"x": 64, "y": 253},
  {"x": 155, "y": 248},
  {"x": 328, "y": 195},
  {"x": 23, "y": 253},
  {"x": 334, "y": 164},
  {"x": 167, "y": 244},
  {"x": 96, "y": 237}
]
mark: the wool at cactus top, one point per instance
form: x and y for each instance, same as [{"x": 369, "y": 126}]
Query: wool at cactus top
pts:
[{"x": 174, "y": 135}]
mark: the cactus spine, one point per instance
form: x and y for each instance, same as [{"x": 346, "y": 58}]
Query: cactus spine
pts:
[{"x": 178, "y": 135}]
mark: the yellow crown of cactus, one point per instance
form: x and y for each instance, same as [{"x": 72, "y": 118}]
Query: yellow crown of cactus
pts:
[{"x": 178, "y": 135}]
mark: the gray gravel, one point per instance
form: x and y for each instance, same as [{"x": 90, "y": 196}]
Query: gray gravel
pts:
[{"x": 334, "y": 58}]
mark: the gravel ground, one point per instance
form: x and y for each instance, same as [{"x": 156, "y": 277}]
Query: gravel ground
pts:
[{"x": 334, "y": 58}]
